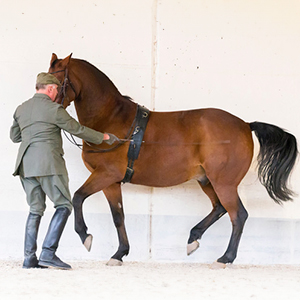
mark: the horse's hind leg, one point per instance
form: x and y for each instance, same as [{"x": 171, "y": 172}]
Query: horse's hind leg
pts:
[
  {"x": 217, "y": 212},
  {"x": 238, "y": 216},
  {"x": 114, "y": 197}
]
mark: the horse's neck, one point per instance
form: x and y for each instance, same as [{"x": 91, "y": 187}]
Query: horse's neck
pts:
[
  {"x": 103, "y": 112},
  {"x": 100, "y": 103}
]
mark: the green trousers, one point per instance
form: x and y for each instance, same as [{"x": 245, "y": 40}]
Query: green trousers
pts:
[{"x": 56, "y": 187}]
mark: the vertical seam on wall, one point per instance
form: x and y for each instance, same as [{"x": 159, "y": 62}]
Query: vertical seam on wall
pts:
[
  {"x": 154, "y": 53},
  {"x": 154, "y": 63}
]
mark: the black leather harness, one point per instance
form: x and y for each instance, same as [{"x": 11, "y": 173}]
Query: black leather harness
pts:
[{"x": 141, "y": 120}]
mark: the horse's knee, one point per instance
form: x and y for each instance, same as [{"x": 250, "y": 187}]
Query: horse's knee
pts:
[
  {"x": 117, "y": 214},
  {"x": 118, "y": 218}
]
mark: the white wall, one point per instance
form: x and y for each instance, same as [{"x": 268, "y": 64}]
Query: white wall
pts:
[{"x": 241, "y": 56}]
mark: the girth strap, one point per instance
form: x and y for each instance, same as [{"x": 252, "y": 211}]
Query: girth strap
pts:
[{"x": 142, "y": 117}]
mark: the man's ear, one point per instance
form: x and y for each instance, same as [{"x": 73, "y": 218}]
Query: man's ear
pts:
[{"x": 49, "y": 88}]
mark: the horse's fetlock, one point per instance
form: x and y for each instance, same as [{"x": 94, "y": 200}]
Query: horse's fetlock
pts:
[{"x": 194, "y": 236}]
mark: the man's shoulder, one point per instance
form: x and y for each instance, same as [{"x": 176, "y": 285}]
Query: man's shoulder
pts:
[
  {"x": 43, "y": 100},
  {"x": 36, "y": 98},
  {"x": 39, "y": 103},
  {"x": 24, "y": 105}
]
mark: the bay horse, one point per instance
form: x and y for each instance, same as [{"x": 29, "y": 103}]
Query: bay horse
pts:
[{"x": 211, "y": 146}]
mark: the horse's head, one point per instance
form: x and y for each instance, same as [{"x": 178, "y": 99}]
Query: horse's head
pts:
[{"x": 60, "y": 68}]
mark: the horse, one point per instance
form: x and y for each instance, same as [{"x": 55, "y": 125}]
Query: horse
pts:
[{"x": 208, "y": 145}]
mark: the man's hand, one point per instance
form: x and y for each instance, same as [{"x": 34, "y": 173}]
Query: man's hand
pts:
[{"x": 110, "y": 138}]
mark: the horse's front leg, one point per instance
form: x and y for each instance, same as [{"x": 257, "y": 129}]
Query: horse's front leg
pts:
[
  {"x": 114, "y": 196},
  {"x": 95, "y": 183},
  {"x": 80, "y": 226}
]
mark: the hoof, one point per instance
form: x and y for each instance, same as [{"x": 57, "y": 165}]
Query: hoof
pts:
[
  {"x": 88, "y": 242},
  {"x": 191, "y": 248},
  {"x": 114, "y": 263},
  {"x": 217, "y": 265}
]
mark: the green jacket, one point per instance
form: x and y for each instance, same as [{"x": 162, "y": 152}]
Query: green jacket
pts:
[{"x": 37, "y": 125}]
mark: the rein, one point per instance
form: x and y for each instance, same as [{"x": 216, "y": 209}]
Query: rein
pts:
[
  {"x": 127, "y": 138},
  {"x": 72, "y": 140}
]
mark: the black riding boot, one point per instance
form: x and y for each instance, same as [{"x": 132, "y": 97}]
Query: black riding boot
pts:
[
  {"x": 56, "y": 227},
  {"x": 30, "y": 246}
]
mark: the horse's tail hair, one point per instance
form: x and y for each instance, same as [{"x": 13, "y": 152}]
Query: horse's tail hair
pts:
[{"x": 276, "y": 159}]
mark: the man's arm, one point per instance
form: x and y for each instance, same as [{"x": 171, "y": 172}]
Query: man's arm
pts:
[
  {"x": 15, "y": 132},
  {"x": 69, "y": 124}
]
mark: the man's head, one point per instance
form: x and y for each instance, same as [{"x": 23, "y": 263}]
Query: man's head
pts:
[
  {"x": 47, "y": 84},
  {"x": 44, "y": 79}
]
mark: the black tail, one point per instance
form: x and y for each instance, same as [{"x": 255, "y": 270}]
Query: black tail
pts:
[{"x": 276, "y": 159}]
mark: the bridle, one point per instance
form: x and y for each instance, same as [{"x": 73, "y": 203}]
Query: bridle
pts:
[{"x": 64, "y": 85}]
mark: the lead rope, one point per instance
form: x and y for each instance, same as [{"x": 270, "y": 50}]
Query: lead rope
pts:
[{"x": 127, "y": 138}]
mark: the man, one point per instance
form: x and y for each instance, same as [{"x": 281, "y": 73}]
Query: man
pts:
[{"x": 37, "y": 125}]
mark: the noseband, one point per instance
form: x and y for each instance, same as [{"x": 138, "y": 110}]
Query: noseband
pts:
[{"x": 64, "y": 85}]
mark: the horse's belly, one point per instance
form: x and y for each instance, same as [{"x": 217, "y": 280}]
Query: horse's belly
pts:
[{"x": 163, "y": 173}]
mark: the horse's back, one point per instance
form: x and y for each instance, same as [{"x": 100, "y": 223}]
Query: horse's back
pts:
[
  {"x": 199, "y": 126},
  {"x": 179, "y": 145}
]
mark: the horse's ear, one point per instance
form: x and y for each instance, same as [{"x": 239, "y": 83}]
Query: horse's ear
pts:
[
  {"x": 53, "y": 58},
  {"x": 65, "y": 62}
]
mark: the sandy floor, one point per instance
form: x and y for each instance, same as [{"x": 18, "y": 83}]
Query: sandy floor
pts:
[{"x": 148, "y": 280}]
